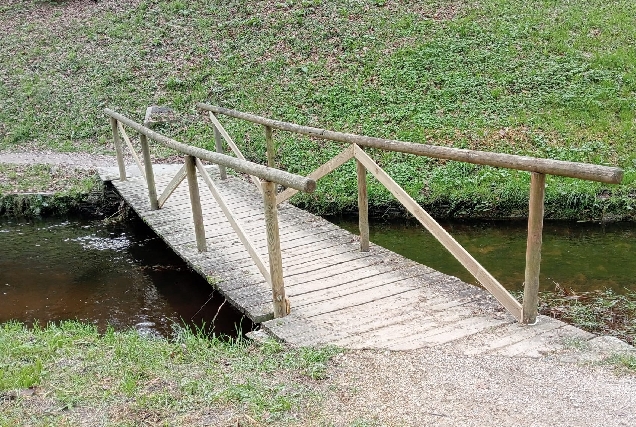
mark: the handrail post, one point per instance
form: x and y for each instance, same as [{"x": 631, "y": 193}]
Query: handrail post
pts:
[
  {"x": 363, "y": 207},
  {"x": 271, "y": 151},
  {"x": 281, "y": 303},
  {"x": 150, "y": 176},
  {"x": 195, "y": 201},
  {"x": 218, "y": 142},
  {"x": 533, "y": 250},
  {"x": 118, "y": 150}
]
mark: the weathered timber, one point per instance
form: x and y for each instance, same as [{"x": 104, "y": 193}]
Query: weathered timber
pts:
[
  {"x": 271, "y": 147},
  {"x": 281, "y": 303},
  {"x": 606, "y": 174},
  {"x": 275, "y": 175},
  {"x": 172, "y": 186},
  {"x": 533, "y": 249},
  {"x": 218, "y": 144},
  {"x": 470, "y": 263},
  {"x": 340, "y": 296},
  {"x": 195, "y": 201},
  {"x": 323, "y": 170},
  {"x": 124, "y": 135},
  {"x": 118, "y": 149},
  {"x": 218, "y": 127},
  {"x": 149, "y": 175},
  {"x": 229, "y": 215},
  {"x": 363, "y": 207}
]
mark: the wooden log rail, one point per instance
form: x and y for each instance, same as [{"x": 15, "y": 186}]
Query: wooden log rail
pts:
[
  {"x": 266, "y": 177},
  {"x": 527, "y": 311}
]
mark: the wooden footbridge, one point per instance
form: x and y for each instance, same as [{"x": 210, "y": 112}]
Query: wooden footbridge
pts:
[{"x": 309, "y": 282}]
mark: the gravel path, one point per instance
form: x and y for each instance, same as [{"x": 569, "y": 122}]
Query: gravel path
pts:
[
  {"x": 444, "y": 388},
  {"x": 78, "y": 160}
]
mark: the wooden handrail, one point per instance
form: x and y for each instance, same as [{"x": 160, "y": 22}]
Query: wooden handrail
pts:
[
  {"x": 590, "y": 172},
  {"x": 287, "y": 179},
  {"x": 526, "y": 312},
  {"x": 193, "y": 164}
]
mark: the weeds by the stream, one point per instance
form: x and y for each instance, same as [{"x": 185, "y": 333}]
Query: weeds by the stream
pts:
[
  {"x": 548, "y": 79},
  {"x": 67, "y": 373},
  {"x": 603, "y": 312}
]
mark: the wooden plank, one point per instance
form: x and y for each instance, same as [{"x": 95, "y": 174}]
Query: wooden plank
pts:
[
  {"x": 235, "y": 225},
  {"x": 533, "y": 249},
  {"x": 470, "y": 263},
  {"x": 547, "y": 342},
  {"x": 343, "y": 290},
  {"x": 323, "y": 170},
  {"x": 172, "y": 186},
  {"x": 357, "y": 299},
  {"x": 458, "y": 330},
  {"x": 508, "y": 334}
]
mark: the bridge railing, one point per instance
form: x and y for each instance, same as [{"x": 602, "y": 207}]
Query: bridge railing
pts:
[
  {"x": 265, "y": 177},
  {"x": 539, "y": 168}
]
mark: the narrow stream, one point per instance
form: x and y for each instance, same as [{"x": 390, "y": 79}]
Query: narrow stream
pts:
[
  {"x": 577, "y": 256},
  {"x": 120, "y": 274}
]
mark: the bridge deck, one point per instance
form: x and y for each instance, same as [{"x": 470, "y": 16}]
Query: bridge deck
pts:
[{"x": 338, "y": 294}]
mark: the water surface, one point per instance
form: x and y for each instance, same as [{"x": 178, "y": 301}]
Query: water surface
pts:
[
  {"x": 117, "y": 274},
  {"x": 577, "y": 256}
]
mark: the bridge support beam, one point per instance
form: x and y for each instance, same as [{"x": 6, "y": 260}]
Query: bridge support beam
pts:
[
  {"x": 195, "y": 201},
  {"x": 150, "y": 175},
  {"x": 363, "y": 207},
  {"x": 118, "y": 150},
  {"x": 533, "y": 250},
  {"x": 281, "y": 303},
  {"x": 218, "y": 143}
]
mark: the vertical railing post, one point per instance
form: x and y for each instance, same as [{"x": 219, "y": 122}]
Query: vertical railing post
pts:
[
  {"x": 271, "y": 149},
  {"x": 363, "y": 207},
  {"x": 533, "y": 250},
  {"x": 150, "y": 176},
  {"x": 118, "y": 149},
  {"x": 218, "y": 142},
  {"x": 195, "y": 201},
  {"x": 281, "y": 303}
]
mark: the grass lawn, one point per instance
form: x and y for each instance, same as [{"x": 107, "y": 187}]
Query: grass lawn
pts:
[
  {"x": 542, "y": 78},
  {"x": 69, "y": 374}
]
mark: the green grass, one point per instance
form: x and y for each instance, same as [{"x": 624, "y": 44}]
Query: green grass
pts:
[
  {"x": 68, "y": 372},
  {"x": 18, "y": 179},
  {"x": 541, "y": 78},
  {"x": 27, "y": 190}
]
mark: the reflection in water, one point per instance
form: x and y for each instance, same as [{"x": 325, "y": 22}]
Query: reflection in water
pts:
[
  {"x": 578, "y": 256},
  {"x": 117, "y": 274}
]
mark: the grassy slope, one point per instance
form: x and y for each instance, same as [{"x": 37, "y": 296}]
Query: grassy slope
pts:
[{"x": 543, "y": 78}]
